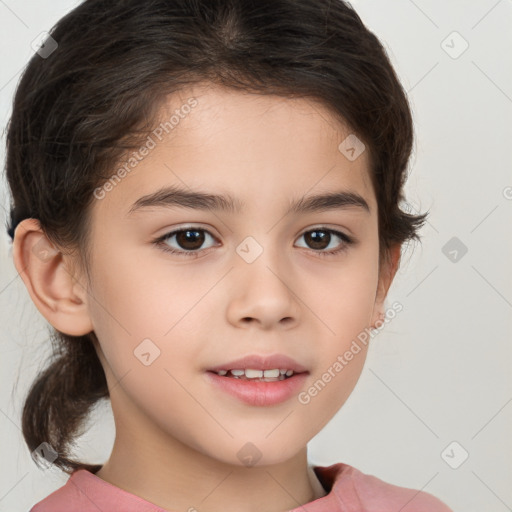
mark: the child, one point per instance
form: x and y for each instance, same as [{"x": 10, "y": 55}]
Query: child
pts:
[{"x": 277, "y": 134}]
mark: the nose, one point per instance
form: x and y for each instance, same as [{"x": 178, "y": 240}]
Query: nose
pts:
[{"x": 262, "y": 294}]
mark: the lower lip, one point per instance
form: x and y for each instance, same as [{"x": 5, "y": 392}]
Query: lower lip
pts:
[{"x": 257, "y": 392}]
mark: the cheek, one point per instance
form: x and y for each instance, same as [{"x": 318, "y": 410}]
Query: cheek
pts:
[
  {"x": 140, "y": 321},
  {"x": 137, "y": 310},
  {"x": 340, "y": 354},
  {"x": 343, "y": 303},
  {"x": 326, "y": 393},
  {"x": 342, "y": 293}
]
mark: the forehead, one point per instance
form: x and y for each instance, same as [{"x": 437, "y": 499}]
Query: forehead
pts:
[{"x": 260, "y": 149}]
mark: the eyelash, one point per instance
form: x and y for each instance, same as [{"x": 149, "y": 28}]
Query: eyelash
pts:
[{"x": 160, "y": 242}]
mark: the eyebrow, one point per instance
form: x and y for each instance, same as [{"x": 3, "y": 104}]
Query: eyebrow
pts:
[{"x": 175, "y": 196}]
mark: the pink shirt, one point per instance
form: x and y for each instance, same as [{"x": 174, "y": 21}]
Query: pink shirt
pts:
[{"x": 348, "y": 489}]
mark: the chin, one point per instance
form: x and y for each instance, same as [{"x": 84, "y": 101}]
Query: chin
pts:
[{"x": 256, "y": 453}]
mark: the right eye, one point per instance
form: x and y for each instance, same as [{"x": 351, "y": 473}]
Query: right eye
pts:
[{"x": 189, "y": 240}]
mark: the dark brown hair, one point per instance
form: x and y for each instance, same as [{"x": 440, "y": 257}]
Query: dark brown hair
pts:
[{"x": 78, "y": 110}]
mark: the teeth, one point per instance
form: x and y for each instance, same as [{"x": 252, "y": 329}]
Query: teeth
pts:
[
  {"x": 250, "y": 373},
  {"x": 254, "y": 374}
]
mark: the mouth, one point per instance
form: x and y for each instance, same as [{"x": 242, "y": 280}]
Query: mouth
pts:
[
  {"x": 256, "y": 366},
  {"x": 258, "y": 380},
  {"x": 273, "y": 375}
]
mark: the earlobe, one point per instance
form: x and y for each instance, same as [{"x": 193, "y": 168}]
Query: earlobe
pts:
[{"x": 56, "y": 293}]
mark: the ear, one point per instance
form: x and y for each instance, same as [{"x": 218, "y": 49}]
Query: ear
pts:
[
  {"x": 386, "y": 276},
  {"x": 48, "y": 276}
]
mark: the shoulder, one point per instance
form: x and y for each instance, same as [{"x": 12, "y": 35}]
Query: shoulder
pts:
[
  {"x": 371, "y": 493},
  {"x": 61, "y": 498},
  {"x": 86, "y": 492}
]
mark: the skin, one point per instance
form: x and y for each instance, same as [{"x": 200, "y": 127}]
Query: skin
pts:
[{"x": 177, "y": 437}]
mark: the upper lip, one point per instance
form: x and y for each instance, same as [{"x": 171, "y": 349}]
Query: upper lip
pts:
[{"x": 257, "y": 362}]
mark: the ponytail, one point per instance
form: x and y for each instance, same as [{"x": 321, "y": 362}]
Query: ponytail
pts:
[{"x": 61, "y": 398}]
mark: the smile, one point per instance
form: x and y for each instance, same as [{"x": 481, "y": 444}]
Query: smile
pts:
[{"x": 261, "y": 375}]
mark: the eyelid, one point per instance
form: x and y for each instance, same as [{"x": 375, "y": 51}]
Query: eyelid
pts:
[
  {"x": 168, "y": 231},
  {"x": 175, "y": 230},
  {"x": 185, "y": 226}
]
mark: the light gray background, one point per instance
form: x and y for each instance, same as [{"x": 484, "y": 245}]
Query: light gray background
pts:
[{"x": 440, "y": 371}]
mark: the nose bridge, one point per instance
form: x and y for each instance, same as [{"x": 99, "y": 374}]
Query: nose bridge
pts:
[
  {"x": 262, "y": 291},
  {"x": 263, "y": 255}
]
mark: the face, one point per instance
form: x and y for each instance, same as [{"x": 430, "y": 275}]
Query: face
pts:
[{"x": 251, "y": 279}]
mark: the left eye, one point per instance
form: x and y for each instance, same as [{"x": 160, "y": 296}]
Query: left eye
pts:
[{"x": 191, "y": 239}]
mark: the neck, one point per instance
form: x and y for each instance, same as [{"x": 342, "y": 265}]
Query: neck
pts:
[
  {"x": 179, "y": 478},
  {"x": 152, "y": 464}
]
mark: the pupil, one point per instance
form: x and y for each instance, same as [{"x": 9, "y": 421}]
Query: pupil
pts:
[
  {"x": 187, "y": 237},
  {"x": 318, "y": 242}
]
